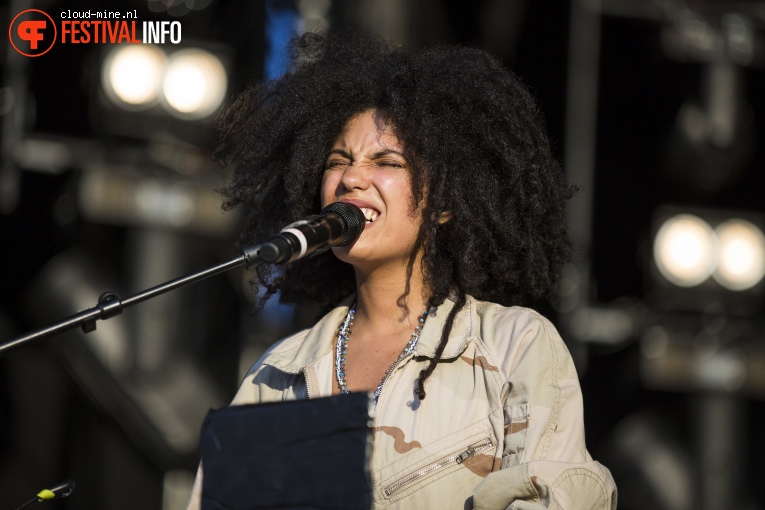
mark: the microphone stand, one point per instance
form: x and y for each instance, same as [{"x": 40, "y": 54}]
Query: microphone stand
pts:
[{"x": 110, "y": 305}]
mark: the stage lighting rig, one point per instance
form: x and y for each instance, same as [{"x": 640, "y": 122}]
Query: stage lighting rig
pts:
[
  {"x": 706, "y": 281},
  {"x": 687, "y": 252},
  {"x": 146, "y": 90},
  {"x": 703, "y": 256}
]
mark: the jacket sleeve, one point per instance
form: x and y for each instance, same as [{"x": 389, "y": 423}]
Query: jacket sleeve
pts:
[{"x": 545, "y": 463}]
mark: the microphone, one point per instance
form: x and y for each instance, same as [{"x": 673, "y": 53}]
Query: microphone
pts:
[{"x": 338, "y": 224}]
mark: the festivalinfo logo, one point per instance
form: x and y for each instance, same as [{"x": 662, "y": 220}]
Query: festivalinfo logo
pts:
[{"x": 34, "y": 32}]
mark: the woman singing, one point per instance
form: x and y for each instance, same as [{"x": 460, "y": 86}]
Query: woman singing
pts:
[{"x": 445, "y": 152}]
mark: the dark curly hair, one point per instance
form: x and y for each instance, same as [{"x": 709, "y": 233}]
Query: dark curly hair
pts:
[{"x": 473, "y": 137}]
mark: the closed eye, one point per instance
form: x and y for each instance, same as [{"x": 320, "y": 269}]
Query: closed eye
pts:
[
  {"x": 336, "y": 163},
  {"x": 389, "y": 158},
  {"x": 390, "y": 163}
]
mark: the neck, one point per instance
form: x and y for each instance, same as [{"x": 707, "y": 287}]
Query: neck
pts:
[{"x": 383, "y": 300}]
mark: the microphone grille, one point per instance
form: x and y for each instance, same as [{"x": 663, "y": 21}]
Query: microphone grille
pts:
[{"x": 352, "y": 216}]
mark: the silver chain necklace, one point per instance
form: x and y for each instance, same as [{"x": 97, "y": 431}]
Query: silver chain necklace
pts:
[{"x": 342, "y": 348}]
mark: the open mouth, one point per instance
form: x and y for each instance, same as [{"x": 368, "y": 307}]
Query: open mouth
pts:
[{"x": 370, "y": 214}]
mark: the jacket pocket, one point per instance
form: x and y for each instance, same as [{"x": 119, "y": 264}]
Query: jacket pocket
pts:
[
  {"x": 425, "y": 472},
  {"x": 516, "y": 429}
]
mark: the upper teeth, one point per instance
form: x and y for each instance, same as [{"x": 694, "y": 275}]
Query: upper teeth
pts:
[{"x": 369, "y": 214}]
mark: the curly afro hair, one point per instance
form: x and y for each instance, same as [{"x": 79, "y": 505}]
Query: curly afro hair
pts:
[{"x": 473, "y": 137}]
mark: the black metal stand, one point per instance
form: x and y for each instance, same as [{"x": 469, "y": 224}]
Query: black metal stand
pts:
[{"x": 110, "y": 305}]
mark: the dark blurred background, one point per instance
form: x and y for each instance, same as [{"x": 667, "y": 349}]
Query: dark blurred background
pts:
[{"x": 655, "y": 108}]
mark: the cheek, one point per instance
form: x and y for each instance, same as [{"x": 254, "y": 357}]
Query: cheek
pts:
[
  {"x": 397, "y": 191},
  {"x": 328, "y": 187}
]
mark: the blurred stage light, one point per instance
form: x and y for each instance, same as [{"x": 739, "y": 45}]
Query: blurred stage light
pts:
[
  {"x": 708, "y": 259},
  {"x": 195, "y": 83},
  {"x": 742, "y": 255},
  {"x": 144, "y": 91},
  {"x": 132, "y": 75},
  {"x": 685, "y": 250}
]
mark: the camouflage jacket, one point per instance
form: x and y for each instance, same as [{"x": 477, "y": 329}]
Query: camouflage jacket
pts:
[{"x": 501, "y": 425}]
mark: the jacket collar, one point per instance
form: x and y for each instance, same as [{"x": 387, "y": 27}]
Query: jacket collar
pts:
[
  {"x": 462, "y": 332},
  {"x": 319, "y": 340}
]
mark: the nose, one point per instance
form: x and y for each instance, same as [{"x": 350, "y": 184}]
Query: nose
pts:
[{"x": 356, "y": 176}]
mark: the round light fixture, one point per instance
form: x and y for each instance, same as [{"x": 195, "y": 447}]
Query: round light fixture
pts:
[
  {"x": 132, "y": 75},
  {"x": 685, "y": 250},
  {"x": 195, "y": 83},
  {"x": 742, "y": 255}
]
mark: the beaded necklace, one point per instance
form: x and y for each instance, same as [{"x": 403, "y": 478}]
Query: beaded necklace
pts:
[{"x": 342, "y": 348}]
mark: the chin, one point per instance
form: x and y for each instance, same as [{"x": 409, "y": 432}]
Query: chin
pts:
[
  {"x": 357, "y": 254},
  {"x": 344, "y": 253}
]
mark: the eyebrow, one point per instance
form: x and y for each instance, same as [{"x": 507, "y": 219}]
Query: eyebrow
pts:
[
  {"x": 380, "y": 154},
  {"x": 340, "y": 152},
  {"x": 375, "y": 155}
]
